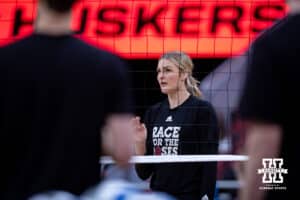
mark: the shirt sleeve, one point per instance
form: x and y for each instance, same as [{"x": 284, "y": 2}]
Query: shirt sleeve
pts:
[
  {"x": 120, "y": 93},
  {"x": 144, "y": 171},
  {"x": 209, "y": 137},
  {"x": 261, "y": 97}
]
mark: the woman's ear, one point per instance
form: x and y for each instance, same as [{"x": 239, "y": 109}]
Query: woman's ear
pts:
[{"x": 183, "y": 76}]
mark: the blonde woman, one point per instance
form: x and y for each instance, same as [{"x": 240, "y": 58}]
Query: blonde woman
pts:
[{"x": 182, "y": 124}]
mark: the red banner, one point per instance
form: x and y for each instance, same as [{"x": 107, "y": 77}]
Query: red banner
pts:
[{"x": 145, "y": 29}]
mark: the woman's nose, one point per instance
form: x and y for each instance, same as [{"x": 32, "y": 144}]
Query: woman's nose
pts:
[{"x": 160, "y": 75}]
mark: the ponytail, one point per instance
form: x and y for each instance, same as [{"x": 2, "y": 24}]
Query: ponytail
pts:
[{"x": 192, "y": 86}]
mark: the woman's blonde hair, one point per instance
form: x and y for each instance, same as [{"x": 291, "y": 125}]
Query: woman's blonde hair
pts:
[{"x": 185, "y": 64}]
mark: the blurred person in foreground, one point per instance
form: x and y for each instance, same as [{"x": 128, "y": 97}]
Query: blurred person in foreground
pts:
[
  {"x": 268, "y": 99},
  {"x": 57, "y": 92}
]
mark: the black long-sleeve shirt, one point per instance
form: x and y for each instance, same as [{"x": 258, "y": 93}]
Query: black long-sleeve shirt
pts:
[
  {"x": 270, "y": 96},
  {"x": 190, "y": 128},
  {"x": 55, "y": 94}
]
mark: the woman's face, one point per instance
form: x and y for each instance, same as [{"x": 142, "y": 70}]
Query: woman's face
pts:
[{"x": 169, "y": 77}]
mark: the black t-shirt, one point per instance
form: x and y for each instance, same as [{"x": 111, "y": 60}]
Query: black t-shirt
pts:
[
  {"x": 56, "y": 92},
  {"x": 190, "y": 128},
  {"x": 270, "y": 93}
]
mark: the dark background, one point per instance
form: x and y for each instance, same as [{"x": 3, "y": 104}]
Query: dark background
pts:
[{"x": 145, "y": 88}]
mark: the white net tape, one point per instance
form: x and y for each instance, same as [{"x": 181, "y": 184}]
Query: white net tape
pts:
[{"x": 178, "y": 158}]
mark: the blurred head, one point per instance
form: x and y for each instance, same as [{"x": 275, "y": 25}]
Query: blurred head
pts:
[
  {"x": 294, "y": 6},
  {"x": 60, "y": 6},
  {"x": 174, "y": 73}
]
